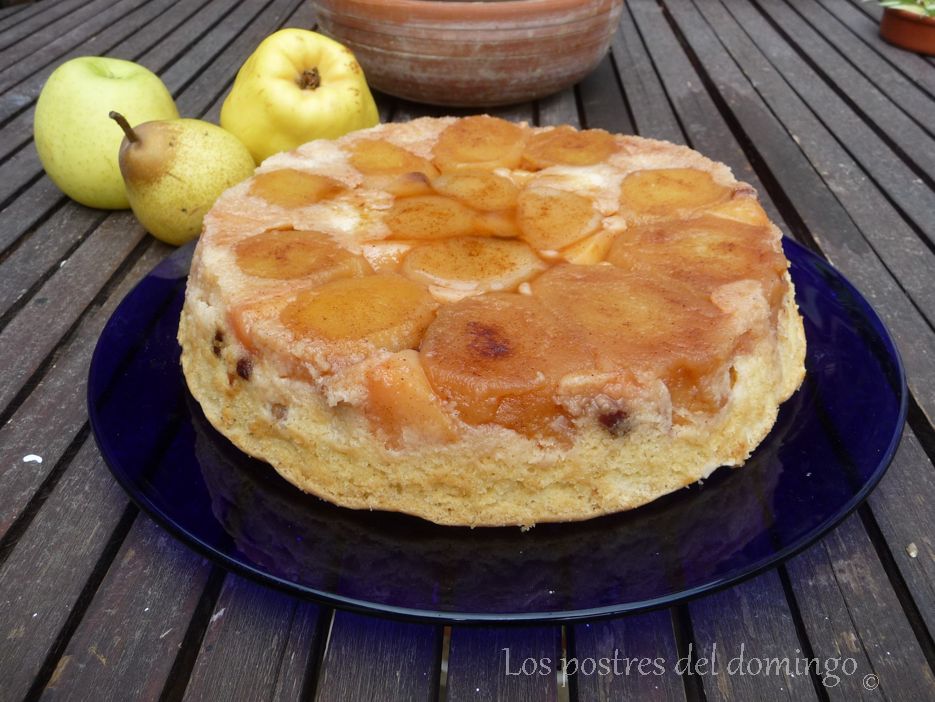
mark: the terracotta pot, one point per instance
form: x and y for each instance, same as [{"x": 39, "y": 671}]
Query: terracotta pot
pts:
[
  {"x": 908, "y": 30},
  {"x": 472, "y": 54}
]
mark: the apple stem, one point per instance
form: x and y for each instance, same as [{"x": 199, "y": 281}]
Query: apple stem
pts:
[
  {"x": 310, "y": 79},
  {"x": 125, "y": 126}
]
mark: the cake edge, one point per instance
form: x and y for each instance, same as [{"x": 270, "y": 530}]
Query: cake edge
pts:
[{"x": 512, "y": 481}]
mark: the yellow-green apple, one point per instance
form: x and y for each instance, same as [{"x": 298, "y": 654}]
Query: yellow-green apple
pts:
[
  {"x": 297, "y": 86},
  {"x": 77, "y": 142}
]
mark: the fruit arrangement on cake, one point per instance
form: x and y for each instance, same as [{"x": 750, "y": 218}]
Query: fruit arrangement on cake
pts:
[{"x": 485, "y": 323}]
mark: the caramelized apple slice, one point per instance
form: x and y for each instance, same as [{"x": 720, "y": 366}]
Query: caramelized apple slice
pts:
[
  {"x": 429, "y": 217},
  {"x": 552, "y": 219},
  {"x": 663, "y": 191},
  {"x": 568, "y": 147},
  {"x": 386, "y": 309},
  {"x": 405, "y": 185},
  {"x": 472, "y": 265},
  {"x": 651, "y": 325},
  {"x": 290, "y": 254},
  {"x": 745, "y": 210},
  {"x": 706, "y": 252},
  {"x": 402, "y": 406},
  {"x": 591, "y": 250},
  {"x": 501, "y": 224},
  {"x": 379, "y": 157},
  {"x": 291, "y": 188},
  {"x": 502, "y": 350},
  {"x": 386, "y": 255},
  {"x": 480, "y": 190},
  {"x": 479, "y": 142},
  {"x": 611, "y": 303}
]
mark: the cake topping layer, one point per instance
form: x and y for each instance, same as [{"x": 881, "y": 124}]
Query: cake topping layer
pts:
[{"x": 481, "y": 273}]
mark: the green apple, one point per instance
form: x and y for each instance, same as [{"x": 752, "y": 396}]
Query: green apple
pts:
[{"x": 77, "y": 141}]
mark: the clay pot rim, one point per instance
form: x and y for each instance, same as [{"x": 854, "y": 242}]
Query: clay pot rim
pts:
[
  {"x": 903, "y": 14},
  {"x": 464, "y": 10}
]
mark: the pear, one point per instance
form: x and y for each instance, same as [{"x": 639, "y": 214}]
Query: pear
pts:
[{"x": 175, "y": 169}]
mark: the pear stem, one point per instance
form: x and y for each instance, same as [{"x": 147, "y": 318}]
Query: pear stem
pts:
[
  {"x": 125, "y": 126},
  {"x": 310, "y": 79}
]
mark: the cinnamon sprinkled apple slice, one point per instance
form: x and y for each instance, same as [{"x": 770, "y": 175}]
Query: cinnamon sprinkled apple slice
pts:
[
  {"x": 386, "y": 309},
  {"x": 480, "y": 142},
  {"x": 291, "y": 188},
  {"x": 290, "y": 254}
]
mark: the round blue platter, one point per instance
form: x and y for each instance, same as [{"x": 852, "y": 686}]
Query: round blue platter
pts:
[{"x": 830, "y": 446}]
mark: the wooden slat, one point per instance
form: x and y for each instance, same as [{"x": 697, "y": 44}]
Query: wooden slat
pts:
[
  {"x": 850, "y": 610},
  {"x": 834, "y": 230},
  {"x": 21, "y": 166},
  {"x": 42, "y": 32},
  {"x": 169, "y": 37},
  {"x": 886, "y": 115},
  {"x": 143, "y": 30},
  {"x": 602, "y": 101},
  {"x": 904, "y": 187},
  {"x": 247, "y": 19},
  {"x": 903, "y": 92},
  {"x": 820, "y": 209},
  {"x": 486, "y": 663},
  {"x": 904, "y": 507},
  {"x": 32, "y": 205},
  {"x": 25, "y": 267},
  {"x": 872, "y": 10},
  {"x": 694, "y": 33},
  {"x": 256, "y": 646},
  {"x": 524, "y": 112},
  {"x": 220, "y": 70},
  {"x": 704, "y": 128},
  {"x": 46, "y": 572},
  {"x": 43, "y": 640},
  {"x": 379, "y": 659},
  {"x": 68, "y": 292},
  {"x": 560, "y": 108},
  {"x": 24, "y": 58},
  {"x": 651, "y": 110},
  {"x": 55, "y": 412},
  {"x": 751, "y": 619},
  {"x": 6, "y": 14},
  {"x": 386, "y": 104},
  {"x": 72, "y": 287},
  {"x": 645, "y": 640},
  {"x": 406, "y": 110},
  {"x": 29, "y": 208},
  {"x": 40, "y": 16},
  {"x": 913, "y": 66},
  {"x": 140, "y": 613}
]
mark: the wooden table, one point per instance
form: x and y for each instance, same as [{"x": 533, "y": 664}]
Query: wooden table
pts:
[{"x": 801, "y": 99}]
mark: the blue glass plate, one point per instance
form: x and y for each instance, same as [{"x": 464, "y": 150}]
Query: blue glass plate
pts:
[{"x": 831, "y": 445}]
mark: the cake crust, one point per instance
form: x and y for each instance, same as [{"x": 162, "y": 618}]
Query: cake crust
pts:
[{"x": 383, "y": 418}]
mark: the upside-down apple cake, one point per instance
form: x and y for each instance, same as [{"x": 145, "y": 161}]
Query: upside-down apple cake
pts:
[{"x": 484, "y": 323}]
